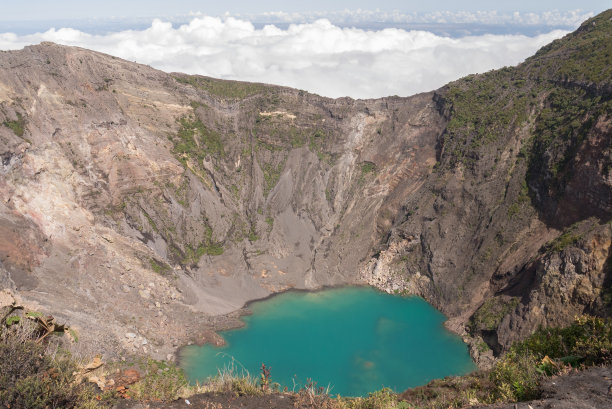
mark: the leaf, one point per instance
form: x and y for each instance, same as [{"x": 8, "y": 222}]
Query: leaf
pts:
[
  {"x": 93, "y": 365},
  {"x": 73, "y": 334},
  {"x": 13, "y": 319}
]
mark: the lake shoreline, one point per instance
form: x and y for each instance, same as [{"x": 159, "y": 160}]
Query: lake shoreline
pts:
[{"x": 356, "y": 301}]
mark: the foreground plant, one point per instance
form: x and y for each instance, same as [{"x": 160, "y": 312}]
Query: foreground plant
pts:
[
  {"x": 161, "y": 381},
  {"x": 32, "y": 378}
]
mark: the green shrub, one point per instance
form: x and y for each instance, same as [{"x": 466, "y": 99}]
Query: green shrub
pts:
[
  {"x": 452, "y": 392},
  {"x": 516, "y": 378},
  {"x": 235, "y": 380},
  {"x": 161, "y": 381},
  {"x": 587, "y": 342},
  {"x": 588, "y": 338},
  {"x": 367, "y": 167},
  {"x": 382, "y": 399},
  {"x": 29, "y": 378},
  {"x": 568, "y": 238},
  {"x": 244, "y": 387}
]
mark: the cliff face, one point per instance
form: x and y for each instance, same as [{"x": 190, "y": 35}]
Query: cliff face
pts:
[
  {"x": 512, "y": 228},
  {"x": 153, "y": 204}
]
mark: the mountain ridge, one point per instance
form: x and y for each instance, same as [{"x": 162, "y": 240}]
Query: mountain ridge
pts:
[{"x": 158, "y": 204}]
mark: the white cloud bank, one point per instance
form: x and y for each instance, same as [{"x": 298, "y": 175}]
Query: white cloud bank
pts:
[
  {"x": 318, "y": 57},
  {"x": 570, "y": 18}
]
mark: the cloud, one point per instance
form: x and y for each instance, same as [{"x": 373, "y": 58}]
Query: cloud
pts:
[
  {"x": 319, "y": 57},
  {"x": 553, "y": 18}
]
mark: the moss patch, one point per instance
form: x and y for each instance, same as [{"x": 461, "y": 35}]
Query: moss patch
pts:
[
  {"x": 159, "y": 267},
  {"x": 208, "y": 246},
  {"x": 272, "y": 175},
  {"x": 490, "y": 314},
  {"x": 195, "y": 140},
  {"x": 17, "y": 126}
]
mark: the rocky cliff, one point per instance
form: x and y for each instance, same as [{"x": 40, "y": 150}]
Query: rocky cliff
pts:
[{"x": 146, "y": 208}]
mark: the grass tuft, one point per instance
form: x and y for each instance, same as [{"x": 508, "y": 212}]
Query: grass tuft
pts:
[{"x": 17, "y": 126}]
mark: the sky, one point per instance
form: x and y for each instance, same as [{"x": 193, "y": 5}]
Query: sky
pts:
[
  {"x": 67, "y": 9},
  {"x": 332, "y": 48}
]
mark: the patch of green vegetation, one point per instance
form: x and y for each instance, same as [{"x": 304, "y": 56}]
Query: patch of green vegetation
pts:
[
  {"x": 223, "y": 88},
  {"x": 31, "y": 378},
  {"x": 270, "y": 221},
  {"x": 316, "y": 140},
  {"x": 482, "y": 108},
  {"x": 316, "y": 144},
  {"x": 194, "y": 141},
  {"x": 17, "y": 126},
  {"x": 569, "y": 114},
  {"x": 12, "y": 319},
  {"x": 518, "y": 374},
  {"x": 239, "y": 230},
  {"x": 452, "y": 392},
  {"x": 483, "y": 347},
  {"x": 583, "y": 56},
  {"x": 382, "y": 399},
  {"x": 161, "y": 381},
  {"x": 271, "y": 176},
  {"x": 565, "y": 74},
  {"x": 267, "y": 146},
  {"x": 180, "y": 192},
  {"x": 193, "y": 255},
  {"x": 73, "y": 334},
  {"x": 588, "y": 341},
  {"x": 566, "y": 239},
  {"x": 297, "y": 137},
  {"x": 208, "y": 246},
  {"x": 522, "y": 200},
  {"x": 513, "y": 209},
  {"x": 160, "y": 268},
  {"x": 150, "y": 221},
  {"x": 326, "y": 158},
  {"x": 516, "y": 378},
  {"x": 490, "y": 314},
  {"x": 235, "y": 191},
  {"x": 367, "y": 167},
  {"x": 196, "y": 104}
]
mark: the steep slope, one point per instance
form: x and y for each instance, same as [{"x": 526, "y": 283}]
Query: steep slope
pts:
[
  {"x": 139, "y": 203},
  {"x": 512, "y": 229},
  {"x": 145, "y": 207}
]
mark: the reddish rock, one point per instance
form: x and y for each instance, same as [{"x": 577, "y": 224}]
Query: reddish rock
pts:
[{"x": 125, "y": 378}]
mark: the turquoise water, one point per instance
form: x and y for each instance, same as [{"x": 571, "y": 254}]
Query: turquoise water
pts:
[{"x": 355, "y": 340}]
